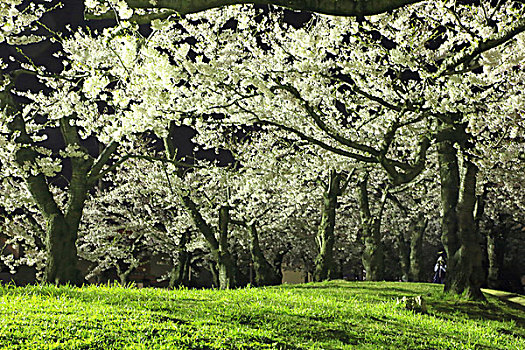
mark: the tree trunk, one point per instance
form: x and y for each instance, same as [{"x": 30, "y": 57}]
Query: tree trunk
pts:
[
  {"x": 225, "y": 275},
  {"x": 62, "y": 258},
  {"x": 123, "y": 274},
  {"x": 179, "y": 273},
  {"x": 479, "y": 212},
  {"x": 218, "y": 247},
  {"x": 460, "y": 237},
  {"x": 449, "y": 175},
  {"x": 278, "y": 263},
  {"x": 416, "y": 250},
  {"x": 470, "y": 250},
  {"x": 373, "y": 252},
  {"x": 404, "y": 256},
  {"x": 61, "y": 226},
  {"x": 324, "y": 262},
  {"x": 61, "y": 229},
  {"x": 225, "y": 261},
  {"x": 265, "y": 274},
  {"x": 496, "y": 245},
  {"x": 214, "y": 274}
]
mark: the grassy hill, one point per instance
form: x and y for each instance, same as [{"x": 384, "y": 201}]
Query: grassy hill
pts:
[{"x": 333, "y": 315}]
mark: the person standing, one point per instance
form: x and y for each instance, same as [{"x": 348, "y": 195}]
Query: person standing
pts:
[{"x": 440, "y": 270}]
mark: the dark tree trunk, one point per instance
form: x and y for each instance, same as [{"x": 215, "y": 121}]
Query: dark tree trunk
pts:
[
  {"x": 218, "y": 247},
  {"x": 179, "y": 273},
  {"x": 496, "y": 245},
  {"x": 460, "y": 237},
  {"x": 496, "y": 254},
  {"x": 404, "y": 256},
  {"x": 479, "y": 212},
  {"x": 278, "y": 263},
  {"x": 416, "y": 250},
  {"x": 449, "y": 175},
  {"x": 265, "y": 274},
  {"x": 225, "y": 261},
  {"x": 62, "y": 258},
  {"x": 214, "y": 274},
  {"x": 470, "y": 250},
  {"x": 324, "y": 262},
  {"x": 373, "y": 252}
]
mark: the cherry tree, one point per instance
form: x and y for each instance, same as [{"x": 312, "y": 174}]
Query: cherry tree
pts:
[
  {"x": 500, "y": 203},
  {"x": 431, "y": 88},
  {"x": 23, "y": 146},
  {"x": 37, "y": 165},
  {"x": 135, "y": 218},
  {"x": 262, "y": 194},
  {"x": 363, "y": 89},
  {"x": 135, "y": 95}
]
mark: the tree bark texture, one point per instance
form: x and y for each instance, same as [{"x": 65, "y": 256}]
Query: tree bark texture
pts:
[
  {"x": 265, "y": 273},
  {"x": 459, "y": 235},
  {"x": 324, "y": 262},
  {"x": 496, "y": 245},
  {"x": 62, "y": 258},
  {"x": 373, "y": 252},
  {"x": 218, "y": 247},
  {"x": 180, "y": 272},
  {"x": 330, "y": 7},
  {"x": 416, "y": 250},
  {"x": 404, "y": 256},
  {"x": 225, "y": 260}
]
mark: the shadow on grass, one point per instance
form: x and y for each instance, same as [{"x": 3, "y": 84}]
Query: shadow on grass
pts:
[
  {"x": 349, "y": 286},
  {"x": 507, "y": 300},
  {"x": 488, "y": 310}
]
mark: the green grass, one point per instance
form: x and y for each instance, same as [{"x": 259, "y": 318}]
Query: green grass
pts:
[{"x": 334, "y": 315}]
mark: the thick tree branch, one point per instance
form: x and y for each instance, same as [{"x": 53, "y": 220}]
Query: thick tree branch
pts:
[
  {"x": 482, "y": 47},
  {"x": 322, "y": 125},
  {"x": 397, "y": 202},
  {"x": 139, "y": 19},
  {"x": 346, "y": 182},
  {"x": 411, "y": 171},
  {"x": 329, "y": 7},
  {"x": 379, "y": 100},
  {"x": 364, "y": 203},
  {"x": 319, "y": 143},
  {"x": 102, "y": 160},
  {"x": 80, "y": 165},
  {"x": 382, "y": 205},
  {"x": 25, "y": 155}
]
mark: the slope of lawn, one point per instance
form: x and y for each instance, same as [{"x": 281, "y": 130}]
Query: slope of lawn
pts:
[{"x": 332, "y": 315}]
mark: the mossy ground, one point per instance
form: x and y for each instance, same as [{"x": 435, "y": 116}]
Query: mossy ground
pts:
[{"x": 332, "y": 315}]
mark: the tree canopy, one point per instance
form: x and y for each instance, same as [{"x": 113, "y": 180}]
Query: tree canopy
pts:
[{"x": 330, "y": 112}]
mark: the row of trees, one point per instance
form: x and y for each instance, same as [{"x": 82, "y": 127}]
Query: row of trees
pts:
[{"x": 333, "y": 112}]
